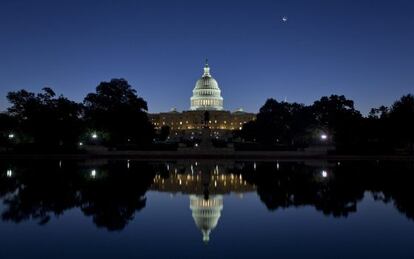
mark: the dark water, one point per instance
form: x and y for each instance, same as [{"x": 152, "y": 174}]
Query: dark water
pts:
[{"x": 206, "y": 209}]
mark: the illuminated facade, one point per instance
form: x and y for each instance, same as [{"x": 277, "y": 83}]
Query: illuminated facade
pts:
[{"x": 206, "y": 97}]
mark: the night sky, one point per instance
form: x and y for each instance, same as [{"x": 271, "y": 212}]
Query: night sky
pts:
[{"x": 362, "y": 49}]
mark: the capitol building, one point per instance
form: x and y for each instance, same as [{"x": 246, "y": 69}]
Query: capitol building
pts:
[{"x": 206, "y": 97}]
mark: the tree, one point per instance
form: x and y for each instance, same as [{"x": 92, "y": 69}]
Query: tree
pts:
[
  {"x": 8, "y": 127},
  {"x": 116, "y": 110},
  {"x": 402, "y": 121},
  {"x": 338, "y": 116},
  {"x": 279, "y": 122},
  {"x": 379, "y": 113},
  {"x": 46, "y": 120}
]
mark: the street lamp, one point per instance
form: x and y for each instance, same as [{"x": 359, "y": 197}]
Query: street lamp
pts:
[{"x": 324, "y": 174}]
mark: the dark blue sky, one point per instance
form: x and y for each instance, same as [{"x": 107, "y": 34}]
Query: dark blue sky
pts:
[{"x": 363, "y": 49}]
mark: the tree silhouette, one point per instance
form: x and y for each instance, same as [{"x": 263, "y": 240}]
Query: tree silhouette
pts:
[
  {"x": 116, "y": 110},
  {"x": 48, "y": 121}
]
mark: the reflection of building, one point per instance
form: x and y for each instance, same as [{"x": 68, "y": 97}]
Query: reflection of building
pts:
[
  {"x": 205, "y": 183},
  {"x": 206, "y": 97},
  {"x": 206, "y": 213},
  {"x": 196, "y": 178}
]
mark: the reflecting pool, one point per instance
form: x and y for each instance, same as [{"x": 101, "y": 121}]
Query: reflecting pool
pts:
[{"x": 206, "y": 209}]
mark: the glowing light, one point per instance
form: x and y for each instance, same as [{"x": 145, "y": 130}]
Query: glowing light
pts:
[
  {"x": 324, "y": 137},
  {"x": 9, "y": 173},
  {"x": 196, "y": 144},
  {"x": 254, "y": 165},
  {"x": 93, "y": 173},
  {"x": 11, "y": 135},
  {"x": 128, "y": 164},
  {"x": 94, "y": 135},
  {"x": 284, "y": 19},
  {"x": 324, "y": 174}
]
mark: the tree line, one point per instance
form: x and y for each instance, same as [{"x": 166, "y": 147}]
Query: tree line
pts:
[
  {"x": 115, "y": 116},
  {"x": 335, "y": 120}
]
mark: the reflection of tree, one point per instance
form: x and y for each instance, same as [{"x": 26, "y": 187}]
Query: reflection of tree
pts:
[
  {"x": 113, "y": 200},
  {"x": 337, "y": 194},
  {"x": 293, "y": 184},
  {"x": 41, "y": 190}
]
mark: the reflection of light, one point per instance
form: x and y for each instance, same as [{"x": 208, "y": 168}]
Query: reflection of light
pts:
[
  {"x": 60, "y": 163},
  {"x": 196, "y": 163},
  {"x": 128, "y": 164},
  {"x": 9, "y": 173},
  {"x": 277, "y": 165},
  {"x": 324, "y": 136},
  {"x": 11, "y": 135},
  {"x": 254, "y": 165},
  {"x": 93, "y": 173},
  {"x": 324, "y": 174}
]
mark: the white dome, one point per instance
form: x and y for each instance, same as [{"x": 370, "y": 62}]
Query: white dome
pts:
[
  {"x": 206, "y": 93},
  {"x": 206, "y": 213}
]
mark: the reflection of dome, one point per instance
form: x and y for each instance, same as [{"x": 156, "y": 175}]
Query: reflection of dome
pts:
[
  {"x": 206, "y": 93},
  {"x": 206, "y": 213}
]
